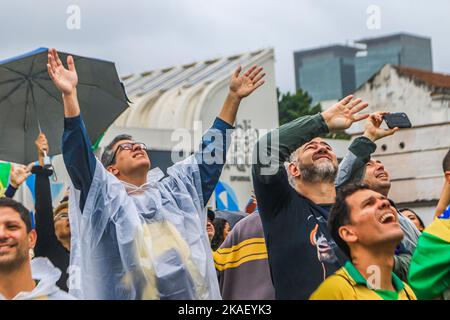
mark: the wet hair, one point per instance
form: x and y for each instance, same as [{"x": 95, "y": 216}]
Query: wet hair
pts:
[
  {"x": 417, "y": 216},
  {"x": 219, "y": 226},
  {"x": 340, "y": 213},
  {"x": 446, "y": 162},
  {"x": 108, "y": 154},
  {"x": 19, "y": 208}
]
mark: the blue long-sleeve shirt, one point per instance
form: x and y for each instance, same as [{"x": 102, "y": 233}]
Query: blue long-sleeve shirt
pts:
[{"x": 80, "y": 160}]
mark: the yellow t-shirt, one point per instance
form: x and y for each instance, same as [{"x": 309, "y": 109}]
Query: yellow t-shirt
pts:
[{"x": 348, "y": 284}]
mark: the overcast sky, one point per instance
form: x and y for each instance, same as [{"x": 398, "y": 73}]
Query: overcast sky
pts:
[{"x": 143, "y": 35}]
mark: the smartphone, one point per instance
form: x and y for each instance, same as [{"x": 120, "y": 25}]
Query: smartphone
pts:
[{"x": 399, "y": 120}]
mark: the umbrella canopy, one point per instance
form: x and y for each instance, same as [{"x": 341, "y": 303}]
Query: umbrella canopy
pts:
[
  {"x": 30, "y": 102},
  {"x": 232, "y": 217}
]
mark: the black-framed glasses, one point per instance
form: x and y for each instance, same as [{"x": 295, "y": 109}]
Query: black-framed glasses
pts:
[{"x": 127, "y": 146}]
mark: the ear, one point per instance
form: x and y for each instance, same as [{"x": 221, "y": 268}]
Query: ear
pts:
[
  {"x": 447, "y": 176},
  {"x": 113, "y": 170},
  {"x": 347, "y": 234},
  {"x": 293, "y": 170},
  {"x": 32, "y": 237}
]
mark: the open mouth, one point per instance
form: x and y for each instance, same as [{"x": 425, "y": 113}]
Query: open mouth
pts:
[
  {"x": 6, "y": 248},
  {"x": 387, "y": 218},
  {"x": 138, "y": 154},
  {"x": 381, "y": 175}
]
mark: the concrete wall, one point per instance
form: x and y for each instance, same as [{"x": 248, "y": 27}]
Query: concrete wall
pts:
[
  {"x": 388, "y": 91},
  {"x": 413, "y": 157}
]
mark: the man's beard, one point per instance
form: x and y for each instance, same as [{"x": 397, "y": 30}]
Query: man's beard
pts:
[
  {"x": 315, "y": 173},
  {"x": 15, "y": 261},
  {"x": 380, "y": 187}
]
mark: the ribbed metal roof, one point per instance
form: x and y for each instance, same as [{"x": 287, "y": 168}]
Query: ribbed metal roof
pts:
[{"x": 178, "y": 90}]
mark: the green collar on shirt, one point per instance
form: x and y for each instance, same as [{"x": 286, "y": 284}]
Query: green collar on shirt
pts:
[{"x": 385, "y": 294}]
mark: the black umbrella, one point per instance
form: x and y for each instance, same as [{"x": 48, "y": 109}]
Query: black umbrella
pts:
[
  {"x": 30, "y": 102},
  {"x": 232, "y": 217}
]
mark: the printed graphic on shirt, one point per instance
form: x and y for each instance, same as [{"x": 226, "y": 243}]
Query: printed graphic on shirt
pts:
[{"x": 325, "y": 252}]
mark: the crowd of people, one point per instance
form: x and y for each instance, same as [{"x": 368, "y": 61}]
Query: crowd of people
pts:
[{"x": 314, "y": 229}]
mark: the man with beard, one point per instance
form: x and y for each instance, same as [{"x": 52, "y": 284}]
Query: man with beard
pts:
[
  {"x": 21, "y": 279},
  {"x": 301, "y": 250}
]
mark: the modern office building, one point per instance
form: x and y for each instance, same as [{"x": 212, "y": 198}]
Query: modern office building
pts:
[
  {"x": 329, "y": 73},
  {"x": 399, "y": 49}
]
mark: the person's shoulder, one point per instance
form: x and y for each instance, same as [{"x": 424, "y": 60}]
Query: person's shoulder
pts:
[{"x": 336, "y": 287}]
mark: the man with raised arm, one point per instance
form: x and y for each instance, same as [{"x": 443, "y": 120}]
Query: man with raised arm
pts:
[
  {"x": 294, "y": 202},
  {"x": 135, "y": 234}
]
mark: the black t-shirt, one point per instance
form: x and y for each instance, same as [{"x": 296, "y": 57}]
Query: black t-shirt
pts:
[{"x": 301, "y": 250}]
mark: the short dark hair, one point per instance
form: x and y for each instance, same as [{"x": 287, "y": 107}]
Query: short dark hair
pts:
[
  {"x": 340, "y": 213},
  {"x": 446, "y": 162},
  {"x": 19, "y": 208},
  {"x": 108, "y": 154}
]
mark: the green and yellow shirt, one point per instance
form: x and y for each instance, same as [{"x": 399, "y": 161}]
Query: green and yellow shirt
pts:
[{"x": 348, "y": 284}]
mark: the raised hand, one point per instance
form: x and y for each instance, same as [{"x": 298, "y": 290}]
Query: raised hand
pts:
[
  {"x": 41, "y": 144},
  {"x": 243, "y": 85},
  {"x": 65, "y": 79},
  {"x": 18, "y": 174},
  {"x": 372, "y": 127},
  {"x": 344, "y": 113}
]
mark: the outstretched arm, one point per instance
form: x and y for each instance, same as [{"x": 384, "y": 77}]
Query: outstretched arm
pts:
[
  {"x": 272, "y": 150},
  {"x": 78, "y": 156},
  {"x": 217, "y": 138},
  {"x": 241, "y": 86},
  {"x": 45, "y": 228}
]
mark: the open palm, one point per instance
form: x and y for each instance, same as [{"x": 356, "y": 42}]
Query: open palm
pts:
[
  {"x": 18, "y": 174},
  {"x": 244, "y": 85},
  {"x": 65, "y": 79},
  {"x": 342, "y": 115}
]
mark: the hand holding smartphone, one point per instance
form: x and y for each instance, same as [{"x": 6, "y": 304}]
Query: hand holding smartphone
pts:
[{"x": 399, "y": 120}]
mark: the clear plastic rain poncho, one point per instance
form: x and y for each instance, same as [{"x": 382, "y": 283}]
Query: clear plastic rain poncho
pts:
[{"x": 142, "y": 243}]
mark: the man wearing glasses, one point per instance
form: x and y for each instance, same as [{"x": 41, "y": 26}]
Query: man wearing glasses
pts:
[{"x": 136, "y": 235}]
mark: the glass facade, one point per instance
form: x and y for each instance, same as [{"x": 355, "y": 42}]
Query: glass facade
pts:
[
  {"x": 325, "y": 73},
  {"x": 321, "y": 78},
  {"x": 336, "y": 71},
  {"x": 366, "y": 67}
]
